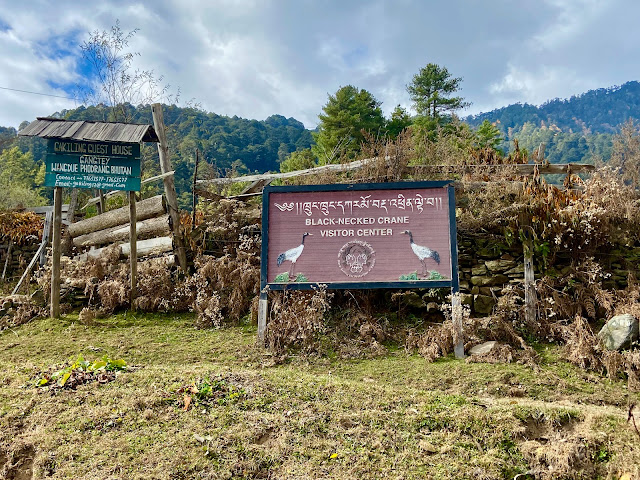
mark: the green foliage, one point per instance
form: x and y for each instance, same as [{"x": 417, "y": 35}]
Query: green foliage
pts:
[
  {"x": 431, "y": 90},
  {"x": 593, "y": 112},
  {"x": 18, "y": 175},
  {"x": 399, "y": 121},
  {"x": 433, "y": 275},
  {"x": 284, "y": 278},
  {"x": 299, "y": 160},
  {"x": 228, "y": 145},
  {"x": 208, "y": 393},
  {"x": 81, "y": 366},
  {"x": 348, "y": 116},
  {"x": 410, "y": 276},
  {"x": 626, "y": 153},
  {"x": 488, "y": 136}
]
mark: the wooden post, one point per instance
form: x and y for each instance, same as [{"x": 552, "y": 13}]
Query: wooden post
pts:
[
  {"x": 73, "y": 204},
  {"x": 102, "y": 207},
  {"x": 46, "y": 234},
  {"x": 6, "y": 260},
  {"x": 169, "y": 183},
  {"x": 133, "y": 238},
  {"x": 262, "y": 318},
  {"x": 193, "y": 190},
  {"x": 456, "y": 317},
  {"x": 55, "y": 266},
  {"x": 529, "y": 282}
]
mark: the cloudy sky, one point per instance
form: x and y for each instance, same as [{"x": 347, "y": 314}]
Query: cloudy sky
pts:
[{"x": 255, "y": 58}]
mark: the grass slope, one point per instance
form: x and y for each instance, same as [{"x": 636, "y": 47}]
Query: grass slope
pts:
[{"x": 389, "y": 417}]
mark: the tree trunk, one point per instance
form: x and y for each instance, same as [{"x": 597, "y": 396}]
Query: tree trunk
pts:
[
  {"x": 152, "y": 227},
  {"x": 169, "y": 183},
  {"x": 152, "y": 246},
  {"x": 148, "y": 208}
]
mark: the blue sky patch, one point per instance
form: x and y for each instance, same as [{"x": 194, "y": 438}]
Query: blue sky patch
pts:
[{"x": 4, "y": 26}]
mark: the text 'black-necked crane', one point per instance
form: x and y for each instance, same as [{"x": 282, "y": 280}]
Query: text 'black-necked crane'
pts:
[
  {"x": 293, "y": 254},
  {"x": 422, "y": 253}
]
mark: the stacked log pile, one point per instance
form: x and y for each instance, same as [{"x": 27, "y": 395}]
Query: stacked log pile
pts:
[{"x": 112, "y": 228}]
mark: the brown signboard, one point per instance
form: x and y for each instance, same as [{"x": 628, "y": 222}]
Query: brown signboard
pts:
[{"x": 359, "y": 236}]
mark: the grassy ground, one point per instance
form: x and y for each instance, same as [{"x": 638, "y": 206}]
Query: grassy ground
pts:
[{"x": 395, "y": 416}]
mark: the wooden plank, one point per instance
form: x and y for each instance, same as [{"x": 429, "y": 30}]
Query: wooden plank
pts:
[
  {"x": 73, "y": 203},
  {"x": 298, "y": 173},
  {"x": 133, "y": 257},
  {"x": 55, "y": 267},
  {"x": 169, "y": 184},
  {"x": 255, "y": 187},
  {"x": 147, "y": 208},
  {"x": 29, "y": 268},
  {"x": 6, "y": 260},
  {"x": 46, "y": 233},
  {"x": 48, "y": 208},
  {"x": 521, "y": 169}
]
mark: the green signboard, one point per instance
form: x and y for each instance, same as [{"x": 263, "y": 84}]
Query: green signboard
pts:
[
  {"x": 76, "y": 147},
  {"x": 101, "y": 165},
  {"x": 92, "y": 164},
  {"x": 102, "y": 182}
]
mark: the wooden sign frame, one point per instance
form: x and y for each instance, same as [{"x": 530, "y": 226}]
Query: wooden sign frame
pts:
[{"x": 452, "y": 283}]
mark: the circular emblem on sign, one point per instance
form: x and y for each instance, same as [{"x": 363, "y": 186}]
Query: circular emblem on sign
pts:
[{"x": 356, "y": 258}]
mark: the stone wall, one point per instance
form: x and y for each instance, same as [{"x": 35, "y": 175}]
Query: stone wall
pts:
[
  {"x": 488, "y": 265},
  {"x": 20, "y": 257}
]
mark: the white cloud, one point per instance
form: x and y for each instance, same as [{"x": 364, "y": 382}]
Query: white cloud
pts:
[
  {"x": 258, "y": 58},
  {"x": 536, "y": 87}
]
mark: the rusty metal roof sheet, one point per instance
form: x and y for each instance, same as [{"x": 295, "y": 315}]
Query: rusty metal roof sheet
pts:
[{"x": 93, "y": 131}]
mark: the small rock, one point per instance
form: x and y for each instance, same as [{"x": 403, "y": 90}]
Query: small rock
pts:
[
  {"x": 427, "y": 447},
  {"x": 483, "y": 304},
  {"x": 432, "y": 307},
  {"x": 517, "y": 270},
  {"x": 466, "y": 299},
  {"x": 619, "y": 332},
  {"x": 412, "y": 299},
  {"x": 488, "y": 280},
  {"x": 478, "y": 270},
  {"x": 500, "y": 265},
  {"x": 483, "y": 348}
]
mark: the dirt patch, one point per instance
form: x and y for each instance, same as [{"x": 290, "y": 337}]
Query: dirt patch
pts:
[
  {"x": 265, "y": 437},
  {"x": 17, "y": 465}
]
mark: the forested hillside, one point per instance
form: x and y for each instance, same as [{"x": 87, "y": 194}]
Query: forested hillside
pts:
[
  {"x": 225, "y": 143},
  {"x": 578, "y": 129},
  {"x": 596, "y": 111}
]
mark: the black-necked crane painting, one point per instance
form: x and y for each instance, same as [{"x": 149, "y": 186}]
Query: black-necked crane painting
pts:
[
  {"x": 293, "y": 254},
  {"x": 423, "y": 253}
]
